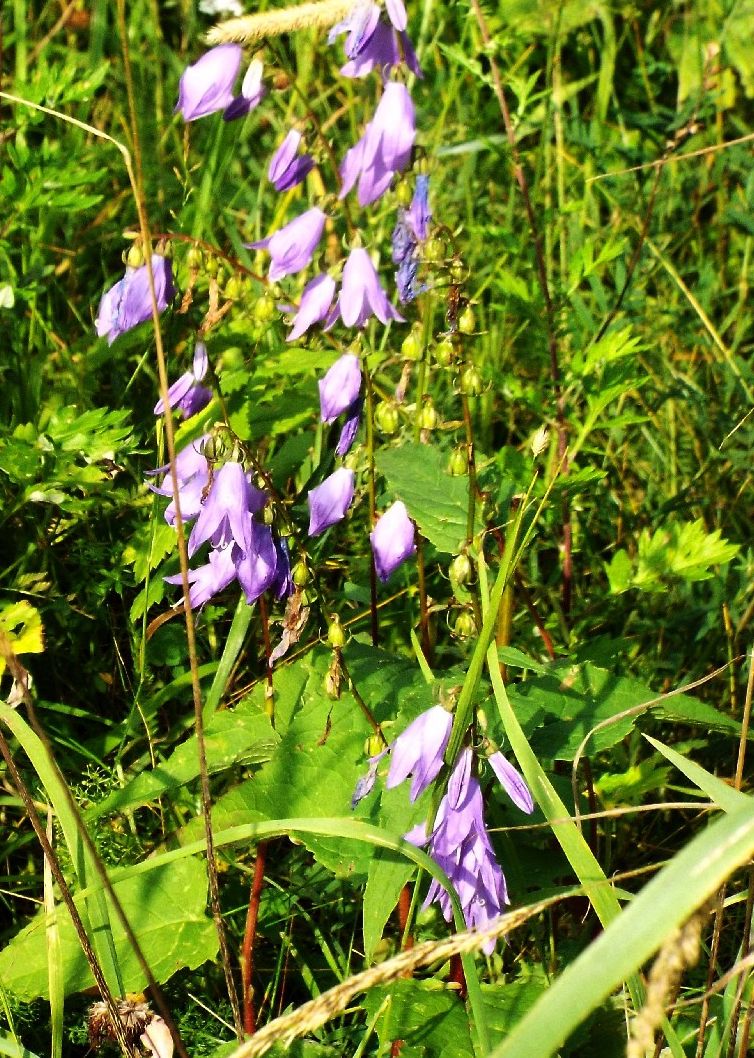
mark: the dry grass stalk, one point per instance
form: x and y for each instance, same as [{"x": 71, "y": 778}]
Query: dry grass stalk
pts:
[{"x": 249, "y": 29}]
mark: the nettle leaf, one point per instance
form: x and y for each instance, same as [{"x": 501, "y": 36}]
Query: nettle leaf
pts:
[
  {"x": 683, "y": 550},
  {"x": 437, "y": 501},
  {"x": 166, "y": 909}
]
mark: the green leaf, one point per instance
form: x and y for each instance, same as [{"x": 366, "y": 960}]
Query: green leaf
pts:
[
  {"x": 435, "y": 500},
  {"x": 684, "y": 550},
  {"x": 166, "y": 909},
  {"x": 427, "y": 1015}
]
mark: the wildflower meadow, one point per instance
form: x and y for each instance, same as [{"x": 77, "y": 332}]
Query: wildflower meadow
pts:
[{"x": 377, "y": 575}]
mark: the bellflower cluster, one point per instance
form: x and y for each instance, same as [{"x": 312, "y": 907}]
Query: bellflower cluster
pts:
[
  {"x": 129, "y": 303},
  {"x": 188, "y": 393}
]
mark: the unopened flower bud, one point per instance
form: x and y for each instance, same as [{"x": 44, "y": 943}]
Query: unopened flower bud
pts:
[
  {"x": 233, "y": 288},
  {"x": 428, "y": 417},
  {"x": 403, "y": 193},
  {"x": 444, "y": 352},
  {"x": 465, "y": 625},
  {"x": 264, "y": 310},
  {"x": 457, "y": 271},
  {"x": 212, "y": 266},
  {"x": 135, "y": 255},
  {"x": 386, "y": 417},
  {"x": 194, "y": 258},
  {"x": 411, "y": 347},
  {"x": 221, "y": 276},
  {"x": 374, "y": 745},
  {"x": 434, "y": 250},
  {"x": 460, "y": 569},
  {"x": 336, "y": 637},
  {"x": 458, "y": 464},
  {"x": 471, "y": 381},
  {"x": 467, "y": 321},
  {"x": 300, "y": 574}
]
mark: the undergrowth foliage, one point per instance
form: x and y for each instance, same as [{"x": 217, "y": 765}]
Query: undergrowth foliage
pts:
[{"x": 374, "y": 458}]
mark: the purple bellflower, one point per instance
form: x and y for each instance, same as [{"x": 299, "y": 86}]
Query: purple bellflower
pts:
[
  {"x": 419, "y": 750},
  {"x": 339, "y": 388},
  {"x": 188, "y": 393},
  {"x": 512, "y": 781},
  {"x": 224, "y": 516},
  {"x": 411, "y": 229},
  {"x": 282, "y": 585},
  {"x": 329, "y": 501},
  {"x": 361, "y": 295},
  {"x": 461, "y": 845},
  {"x": 192, "y": 473},
  {"x": 359, "y": 25},
  {"x": 292, "y": 246},
  {"x": 208, "y": 580},
  {"x": 350, "y": 427},
  {"x": 314, "y": 306},
  {"x": 397, "y": 14},
  {"x": 385, "y": 147},
  {"x": 392, "y": 540},
  {"x": 207, "y": 85},
  {"x": 252, "y": 92},
  {"x": 129, "y": 302},
  {"x": 288, "y": 168},
  {"x": 371, "y": 42},
  {"x": 256, "y": 567}
]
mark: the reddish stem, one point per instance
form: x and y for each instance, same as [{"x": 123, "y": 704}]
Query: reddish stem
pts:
[{"x": 247, "y": 954}]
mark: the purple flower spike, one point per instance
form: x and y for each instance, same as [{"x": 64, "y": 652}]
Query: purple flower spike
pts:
[
  {"x": 209, "y": 579},
  {"x": 292, "y": 246},
  {"x": 361, "y": 294},
  {"x": 512, "y": 782},
  {"x": 419, "y": 750},
  {"x": 397, "y": 14},
  {"x": 314, "y": 305},
  {"x": 187, "y": 393},
  {"x": 224, "y": 516},
  {"x": 339, "y": 388},
  {"x": 252, "y": 92},
  {"x": 129, "y": 302},
  {"x": 207, "y": 86},
  {"x": 329, "y": 502},
  {"x": 286, "y": 169},
  {"x": 392, "y": 540}
]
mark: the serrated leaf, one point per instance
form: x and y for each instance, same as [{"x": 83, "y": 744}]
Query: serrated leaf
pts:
[{"x": 429, "y": 1017}]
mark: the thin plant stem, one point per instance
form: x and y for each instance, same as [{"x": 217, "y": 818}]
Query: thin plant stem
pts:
[
  {"x": 250, "y": 933},
  {"x": 369, "y": 410},
  {"x": 136, "y": 175}
]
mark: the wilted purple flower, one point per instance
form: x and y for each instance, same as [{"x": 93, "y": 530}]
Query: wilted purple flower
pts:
[
  {"x": 350, "y": 428},
  {"x": 207, "y": 85},
  {"x": 287, "y": 168},
  {"x": 292, "y": 246},
  {"x": 314, "y": 305},
  {"x": 224, "y": 516},
  {"x": 329, "y": 501},
  {"x": 512, "y": 781},
  {"x": 188, "y": 393},
  {"x": 461, "y": 845},
  {"x": 339, "y": 387},
  {"x": 252, "y": 92},
  {"x": 129, "y": 302},
  {"x": 419, "y": 214},
  {"x": 365, "y": 784},
  {"x": 361, "y": 294},
  {"x": 419, "y": 750},
  {"x": 209, "y": 579},
  {"x": 392, "y": 540},
  {"x": 282, "y": 586},
  {"x": 385, "y": 147},
  {"x": 192, "y": 474},
  {"x": 256, "y": 567}
]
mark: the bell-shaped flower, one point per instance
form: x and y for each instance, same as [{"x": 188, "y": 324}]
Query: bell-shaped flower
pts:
[
  {"x": 339, "y": 387},
  {"x": 224, "y": 516},
  {"x": 359, "y": 25},
  {"x": 361, "y": 295},
  {"x": 208, "y": 580},
  {"x": 188, "y": 393},
  {"x": 207, "y": 85},
  {"x": 256, "y": 567},
  {"x": 252, "y": 92},
  {"x": 385, "y": 147},
  {"x": 315, "y": 303},
  {"x": 292, "y": 246},
  {"x": 192, "y": 474},
  {"x": 287, "y": 167},
  {"x": 129, "y": 302},
  {"x": 392, "y": 540},
  {"x": 329, "y": 501},
  {"x": 512, "y": 781},
  {"x": 419, "y": 750},
  {"x": 373, "y": 43}
]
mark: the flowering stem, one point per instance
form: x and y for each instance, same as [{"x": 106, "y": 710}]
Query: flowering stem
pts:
[
  {"x": 470, "y": 453},
  {"x": 375, "y": 628}
]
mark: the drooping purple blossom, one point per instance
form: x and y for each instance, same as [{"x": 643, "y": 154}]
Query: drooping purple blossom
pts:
[
  {"x": 207, "y": 85},
  {"x": 339, "y": 387},
  {"x": 373, "y": 43},
  {"x": 287, "y": 167},
  {"x": 419, "y": 750},
  {"x": 129, "y": 302},
  {"x": 392, "y": 540},
  {"x": 192, "y": 475},
  {"x": 384, "y": 149},
  {"x": 256, "y": 566},
  {"x": 460, "y": 844},
  {"x": 359, "y": 25},
  {"x": 187, "y": 393},
  {"x": 329, "y": 501},
  {"x": 292, "y": 246},
  {"x": 512, "y": 781},
  {"x": 209, "y": 579},
  {"x": 282, "y": 584},
  {"x": 361, "y": 295},
  {"x": 252, "y": 92},
  {"x": 224, "y": 516},
  {"x": 419, "y": 214},
  {"x": 315, "y": 303}
]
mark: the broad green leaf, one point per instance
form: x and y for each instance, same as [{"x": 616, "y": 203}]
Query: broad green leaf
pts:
[
  {"x": 428, "y": 1016},
  {"x": 166, "y": 909},
  {"x": 436, "y": 501}
]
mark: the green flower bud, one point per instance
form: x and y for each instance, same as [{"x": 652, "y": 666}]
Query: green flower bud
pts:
[
  {"x": 265, "y": 310},
  {"x": 460, "y": 569},
  {"x": 403, "y": 193},
  {"x": 212, "y": 266},
  {"x": 465, "y": 625},
  {"x": 233, "y": 288},
  {"x": 434, "y": 250},
  {"x": 386, "y": 417},
  {"x": 221, "y": 276},
  {"x": 428, "y": 417},
  {"x": 373, "y": 745},
  {"x": 300, "y": 574},
  {"x": 194, "y": 258},
  {"x": 444, "y": 352},
  {"x": 458, "y": 464},
  {"x": 411, "y": 348},
  {"x": 471, "y": 381},
  {"x": 135, "y": 255},
  {"x": 466, "y": 321},
  {"x": 457, "y": 271},
  {"x": 336, "y": 637}
]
